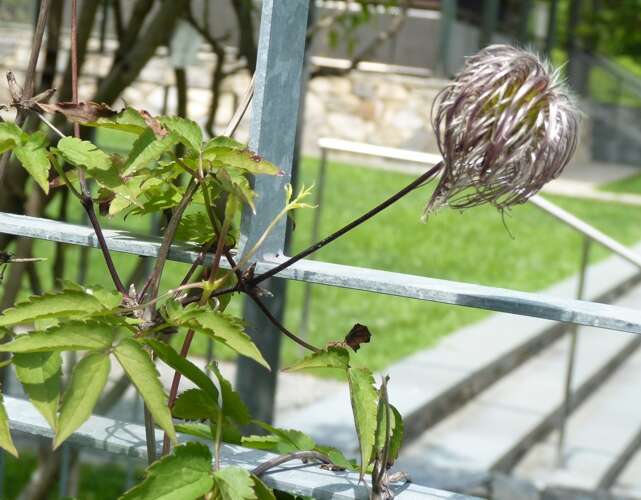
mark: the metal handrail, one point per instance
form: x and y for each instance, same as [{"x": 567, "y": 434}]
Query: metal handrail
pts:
[
  {"x": 589, "y": 232},
  {"x": 547, "y": 206}
]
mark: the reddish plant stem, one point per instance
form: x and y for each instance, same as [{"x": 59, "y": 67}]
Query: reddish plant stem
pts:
[
  {"x": 252, "y": 283},
  {"x": 175, "y": 383},
  {"x": 87, "y": 201},
  {"x": 296, "y": 455}
]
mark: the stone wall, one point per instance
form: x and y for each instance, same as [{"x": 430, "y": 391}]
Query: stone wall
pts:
[{"x": 372, "y": 107}]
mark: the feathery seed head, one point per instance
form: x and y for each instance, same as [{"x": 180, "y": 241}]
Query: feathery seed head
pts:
[{"x": 505, "y": 126}]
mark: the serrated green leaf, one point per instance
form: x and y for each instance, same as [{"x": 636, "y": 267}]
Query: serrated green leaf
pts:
[
  {"x": 40, "y": 374},
  {"x": 224, "y": 142},
  {"x": 242, "y": 159},
  {"x": 263, "y": 492},
  {"x": 195, "y": 429},
  {"x": 68, "y": 303},
  {"x": 364, "y": 399},
  {"x": 331, "y": 357},
  {"x": 337, "y": 457},
  {"x": 221, "y": 327},
  {"x": 142, "y": 372},
  {"x": 110, "y": 299},
  {"x": 234, "y": 182},
  {"x": 193, "y": 228},
  {"x": 87, "y": 382},
  {"x": 6, "y": 442},
  {"x": 147, "y": 149},
  {"x": 183, "y": 475},
  {"x": 233, "y": 483},
  {"x": 10, "y": 136},
  {"x": 396, "y": 441},
  {"x": 69, "y": 336},
  {"x": 195, "y": 404},
  {"x": 286, "y": 440},
  {"x": 128, "y": 120},
  {"x": 233, "y": 406},
  {"x": 187, "y": 130},
  {"x": 33, "y": 156},
  {"x": 184, "y": 366},
  {"x": 84, "y": 154}
]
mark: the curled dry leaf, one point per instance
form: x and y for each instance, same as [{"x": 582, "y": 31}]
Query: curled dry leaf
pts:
[
  {"x": 359, "y": 334},
  {"x": 153, "y": 123},
  {"x": 86, "y": 111}
]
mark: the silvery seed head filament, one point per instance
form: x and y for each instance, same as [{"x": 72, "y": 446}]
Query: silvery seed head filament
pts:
[{"x": 505, "y": 126}]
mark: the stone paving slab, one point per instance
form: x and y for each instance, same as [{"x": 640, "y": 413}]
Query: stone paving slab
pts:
[
  {"x": 600, "y": 436},
  {"x": 430, "y": 383},
  {"x": 490, "y": 430}
]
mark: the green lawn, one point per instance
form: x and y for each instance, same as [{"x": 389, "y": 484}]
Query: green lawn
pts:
[
  {"x": 474, "y": 246},
  {"x": 630, "y": 185}
]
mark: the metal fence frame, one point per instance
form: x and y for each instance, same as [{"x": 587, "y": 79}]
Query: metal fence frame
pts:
[{"x": 274, "y": 117}]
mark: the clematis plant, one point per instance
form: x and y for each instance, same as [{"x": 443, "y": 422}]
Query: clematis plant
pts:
[{"x": 505, "y": 126}]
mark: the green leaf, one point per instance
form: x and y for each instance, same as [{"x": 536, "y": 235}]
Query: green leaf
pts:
[
  {"x": 70, "y": 336},
  {"x": 39, "y": 373},
  {"x": 6, "y": 442},
  {"x": 225, "y": 142},
  {"x": 195, "y": 404},
  {"x": 110, "y": 299},
  {"x": 242, "y": 159},
  {"x": 87, "y": 382},
  {"x": 187, "y": 130},
  {"x": 234, "y": 181},
  {"x": 396, "y": 440},
  {"x": 337, "y": 457},
  {"x": 233, "y": 406},
  {"x": 128, "y": 120},
  {"x": 221, "y": 327},
  {"x": 147, "y": 149},
  {"x": 34, "y": 158},
  {"x": 364, "y": 400},
  {"x": 261, "y": 490},
  {"x": 192, "y": 228},
  {"x": 331, "y": 357},
  {"x": 280, "y": 441},
  {"x": 195, "y": 429},
  {"x": 183, "y": 475},
  {"x": 10, "y": 136},
  {"x": 142, "y": 372},
  {"x": 84, "y": 154},
  {"x": 184, "y": 366},
  {"x": 68, "y": 303},
  {"x": 233, "y": 483}
]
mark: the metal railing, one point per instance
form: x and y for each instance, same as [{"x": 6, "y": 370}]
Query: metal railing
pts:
[
  {"x": 589, "y": 232},
  {"x": 273, "y": 125}
]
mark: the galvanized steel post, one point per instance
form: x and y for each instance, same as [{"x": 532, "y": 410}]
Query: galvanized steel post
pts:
[{"x": 273, "y": 134}]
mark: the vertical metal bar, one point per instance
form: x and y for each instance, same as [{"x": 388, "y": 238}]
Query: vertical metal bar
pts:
[
  {"x": 569, "y": 372},
  {"x": 315, "y": 234},
  {"x": 550, "y": 39},
  {"x": 448, "y": 16},
  {"x": 273, "y": 133},
  {"x": 524, "y": 21},
  {"x": 490, "y": 18},
  {"x": 65, "y": 467}
]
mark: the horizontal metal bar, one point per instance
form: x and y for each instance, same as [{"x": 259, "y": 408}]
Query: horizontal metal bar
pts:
[
  {"x": 357, "y": 278},
  {"x": 590, "y": 231},
  {"x": 123, "y": 438},
  {"x": 378, "y": 151},
  {"x": 432, "y": 159}
]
